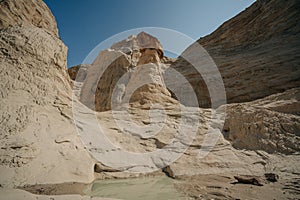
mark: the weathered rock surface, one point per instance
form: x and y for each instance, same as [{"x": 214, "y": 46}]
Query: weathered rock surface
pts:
[
  {"x": 139, "y": 46},
  {"x": 271, "y": 124},
  {"x": 73, "y": 71},
  {"x": 39, "y": 143},
  {"x": 250, "y": 127},
  {"x": 211, "y": 175},
  {"x": 268, "y": 124},
  {"x": 27, "y": 12},
  {"x": 222, "y": 158},
  {"x": 134, "y": 64},
  {"x": 256, "y": 53},
  {"x": 246, "y": 179},
  {"x": 221, "y": 187}
]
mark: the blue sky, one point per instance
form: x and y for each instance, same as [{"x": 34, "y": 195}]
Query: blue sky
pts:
[{"x": 83, "y": 24}]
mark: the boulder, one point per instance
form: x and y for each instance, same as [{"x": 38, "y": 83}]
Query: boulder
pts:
[{"x": 249, "y": 179}]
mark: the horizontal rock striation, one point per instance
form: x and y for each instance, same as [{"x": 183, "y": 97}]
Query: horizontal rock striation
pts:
[{"x": 257, "y": 53}]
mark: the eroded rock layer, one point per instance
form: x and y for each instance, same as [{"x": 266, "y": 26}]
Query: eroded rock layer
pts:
[{"x": 257, "y": 53}]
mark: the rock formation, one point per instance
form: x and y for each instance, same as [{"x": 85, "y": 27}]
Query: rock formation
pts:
[
  {"x": 73, "y": 71},
  {"x": 256, "y": 53},
  {"x": 39, "y": 143},
  {"x": 271, "y": 124},
  {"x": 259, "y": 69},
  {"x": 134, "y": 63},
  {"x": 27, "y": 12}
]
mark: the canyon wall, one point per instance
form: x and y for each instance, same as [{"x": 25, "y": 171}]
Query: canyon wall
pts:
[{"x": 39, "y": 143}]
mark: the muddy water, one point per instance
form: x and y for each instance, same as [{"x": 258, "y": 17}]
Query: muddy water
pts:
[{"x": 147, "y": 188}]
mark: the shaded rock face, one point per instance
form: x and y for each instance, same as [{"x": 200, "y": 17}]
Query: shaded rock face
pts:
[
  {"x": 256, "y": 53},
  {"x": 131, "y": 71},
  {"x": 39, "y": 143},
  {"x": 27, "y": 12},
  {"x": 73, "y": 71}
]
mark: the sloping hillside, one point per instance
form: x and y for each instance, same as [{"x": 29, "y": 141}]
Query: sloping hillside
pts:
[{"x": 257, "y": 53}]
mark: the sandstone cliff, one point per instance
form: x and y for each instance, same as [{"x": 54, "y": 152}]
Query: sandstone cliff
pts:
[
  {"x": 257, "y": 56},
  {"x": 39, "y": 143},
  {"x": 251, "y": 67},
  {"x": 254, "y": 63},
  {"x": 27, "y": 12},
  {"x": 257, "y": 52}
]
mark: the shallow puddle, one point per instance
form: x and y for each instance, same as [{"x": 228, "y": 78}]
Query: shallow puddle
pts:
[{"x": 146, "y": 188}]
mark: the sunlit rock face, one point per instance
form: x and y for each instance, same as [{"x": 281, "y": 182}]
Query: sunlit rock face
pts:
[
  {"x": 131, "y": 71},
  {"x": 27, "y": 12},
  {"x": 39, "y": 143}
]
